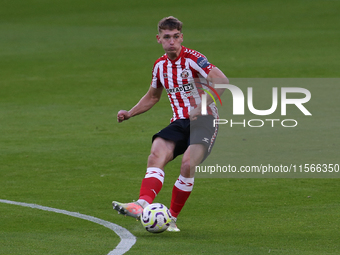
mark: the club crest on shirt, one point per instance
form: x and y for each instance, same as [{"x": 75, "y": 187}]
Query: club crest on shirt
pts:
[
  {"x": 185, "y": 74},
  {"x": 165, "y": 75}
]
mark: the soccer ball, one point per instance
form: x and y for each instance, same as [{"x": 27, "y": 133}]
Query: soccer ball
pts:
[{"x": 156, "y": 218}]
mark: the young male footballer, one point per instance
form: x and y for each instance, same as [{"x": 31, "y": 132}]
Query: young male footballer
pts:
[{"x": 185, "y": 74}]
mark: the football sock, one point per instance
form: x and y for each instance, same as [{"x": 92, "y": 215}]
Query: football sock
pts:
[
  {"x": 151, "y": 184},
  {"x": 180, "y": 193},
  {"x": 143, "y": 203}
]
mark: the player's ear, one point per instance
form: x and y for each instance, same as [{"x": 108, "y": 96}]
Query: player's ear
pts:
[{"x": 158, "y": 38}]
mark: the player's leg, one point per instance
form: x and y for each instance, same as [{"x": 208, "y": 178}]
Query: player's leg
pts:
[
  {"x": 183, "y": 186},
  {"x": 161, "y": 153},
  {"x": 185, "y": 182},
  {"x": 192, "y": 157},
  {"x": 166, "y": 145},
  {"x": 202, "y": 137}
]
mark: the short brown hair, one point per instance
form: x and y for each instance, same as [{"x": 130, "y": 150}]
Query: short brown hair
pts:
[{"x": 170, "y": 23}]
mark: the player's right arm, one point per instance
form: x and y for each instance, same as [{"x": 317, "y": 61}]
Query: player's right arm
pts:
[{"x": 145, "y": 103}]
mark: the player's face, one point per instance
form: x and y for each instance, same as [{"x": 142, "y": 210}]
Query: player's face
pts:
[{"x": 171, "y": 41}]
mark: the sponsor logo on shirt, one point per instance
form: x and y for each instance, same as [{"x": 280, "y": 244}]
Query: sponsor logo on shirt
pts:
[{"x": 184, "y": 88}]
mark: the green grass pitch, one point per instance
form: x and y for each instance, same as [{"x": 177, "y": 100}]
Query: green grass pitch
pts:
[{"x": 67, "y": 67}]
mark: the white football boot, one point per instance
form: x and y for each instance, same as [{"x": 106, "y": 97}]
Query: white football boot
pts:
[{"x": 173, "y": 227}]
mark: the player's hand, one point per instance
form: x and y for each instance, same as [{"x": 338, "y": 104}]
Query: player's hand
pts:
[
  {"x": 123, "y": 115},
  {"x": 195, "y": 112}
]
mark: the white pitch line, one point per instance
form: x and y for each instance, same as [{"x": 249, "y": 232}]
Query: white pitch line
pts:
[{"x": 127, "y": 239}]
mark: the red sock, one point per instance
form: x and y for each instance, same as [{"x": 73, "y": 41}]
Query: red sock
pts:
[
  {"x": 151, "y": 184},
  {"x": 180, "y": 193}
]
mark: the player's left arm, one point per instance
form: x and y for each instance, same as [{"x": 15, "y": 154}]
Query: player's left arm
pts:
[{"x": 215, "y": 76}]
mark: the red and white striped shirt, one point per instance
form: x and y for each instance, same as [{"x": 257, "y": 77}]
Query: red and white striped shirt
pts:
[{"x": 183, "y": 79}]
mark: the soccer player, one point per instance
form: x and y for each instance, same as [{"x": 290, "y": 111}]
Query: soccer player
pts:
[{"x": 185, "y": 74}]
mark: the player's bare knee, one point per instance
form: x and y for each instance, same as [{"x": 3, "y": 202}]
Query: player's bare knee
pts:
[
  {"x": 161, "y": 152},
  {"x": 154, "y": 158},
  {"x": 186, "y": 169},
  {"x": 159, "y": 158}
]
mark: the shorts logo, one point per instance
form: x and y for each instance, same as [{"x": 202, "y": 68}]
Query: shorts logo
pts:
[
  {"x": 206, "y": 140},
  {"x": 202, "y": 62}
]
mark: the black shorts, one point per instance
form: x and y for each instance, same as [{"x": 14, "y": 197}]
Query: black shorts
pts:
[{"x": 185, "y": 132}]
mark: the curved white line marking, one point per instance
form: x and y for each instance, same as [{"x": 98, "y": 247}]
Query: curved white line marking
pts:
[{"x": 127, "y": 239}]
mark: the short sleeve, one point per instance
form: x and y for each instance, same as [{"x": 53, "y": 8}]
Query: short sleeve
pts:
[{"x": 155, "y": 82}]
